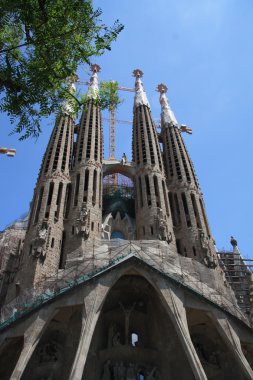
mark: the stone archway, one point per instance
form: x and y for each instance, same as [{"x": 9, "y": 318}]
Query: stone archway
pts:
[
  {"x": 216, "y": 359},
  {"x": 133, "y": 306}
]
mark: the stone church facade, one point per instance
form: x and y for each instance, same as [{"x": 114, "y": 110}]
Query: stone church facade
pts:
[{"x": 80, "y": 303}]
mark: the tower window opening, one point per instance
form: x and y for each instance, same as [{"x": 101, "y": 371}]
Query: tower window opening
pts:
[
  {"x": 39, "y": 205},
  {"x": 86, "y": 184},
  {"x": 58, "y": 201},
  {"x": 186, "y": 210},
  {"x": 77, "y": 189},
  {"x": 134, "y": 339},
  {"x": 73, "y": 230},
  {"x": 194, "y": 251},
  {"x": 62, "y": 256},
  {"x": 92, "y": 226},
  {"x": 165, "y": 198},
  {"x": 52, "y": 243},
  {"x": 148, "y": 190},
  {"x": 151, "y": 230},
  {"x": 196, "y": 211},
  {"x": 67, "y": 200},
  {"x": 143, "y": 230},
  {"x": 94, "y": 187},
  {"x": 179, "y": 246},
  {"x": 177, "y": 208},
  {"x": 173, "y": 211},
  {"x": 50, "y": 193},
  {"x": 158, "y": 201},
  {"x": 141, "y": 194}
]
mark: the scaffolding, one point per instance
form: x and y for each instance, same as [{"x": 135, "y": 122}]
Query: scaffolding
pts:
[
  {"x": 102, "y": 255},
  {"x": 238, "y": 272}
]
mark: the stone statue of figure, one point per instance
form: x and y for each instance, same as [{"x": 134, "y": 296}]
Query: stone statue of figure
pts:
[
  {"x": 82, "y": 224},
  {"x": 43, "y": 231},
  {"x": 38, "y": 250},
  {"x": 122, "y": 371},
  {"x": 131, "y": 372},
  {"x": 127, "y": 313},
  {"x": 107, "y": 371},
  {"x": 124, "y": 159},
  {"x": 162, "y": 225}
]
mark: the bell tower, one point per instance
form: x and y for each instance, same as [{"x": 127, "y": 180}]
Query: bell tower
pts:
[
  {"x": 191, "y": 228},
  {"x": 153, "y": 220},
  {"x": 83, "y": 210},
  {"x": 43, "y": 241}
]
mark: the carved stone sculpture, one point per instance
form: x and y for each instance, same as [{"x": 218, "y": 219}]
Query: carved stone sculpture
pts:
[
  {"x": 131, "y": 372},
  {"x": 107, "y": 371},
  {"x": 82, "y": 223},
  {"x": 39, "y": 249}
]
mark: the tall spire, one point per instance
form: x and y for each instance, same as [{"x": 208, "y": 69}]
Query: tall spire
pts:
[
  {"x": 167, "y": 114},
  {"x": 93, "y": 88},
  {"x": 140, "y": 95}
]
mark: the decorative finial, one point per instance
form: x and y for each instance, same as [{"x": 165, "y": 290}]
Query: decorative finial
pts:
[
  {"x": 94, "y": 89},
  {"x": 140, "y": 95},
  {"x": 95, "y": 68},
  {"x": 167, "y": 114}
]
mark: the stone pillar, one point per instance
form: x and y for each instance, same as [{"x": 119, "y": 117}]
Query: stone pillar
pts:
[
  {"x": 91, "y": 312},
  {"x": 31, "y": 339},
  {"x": 233, "y": 343},
  {"x": 177, "y": 314}
]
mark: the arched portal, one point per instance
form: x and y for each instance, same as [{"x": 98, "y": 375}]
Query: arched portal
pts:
[{"x": 133, "y": 309}]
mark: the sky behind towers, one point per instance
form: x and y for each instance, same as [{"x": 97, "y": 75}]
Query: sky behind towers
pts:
[{"x": 202, "y": 50}]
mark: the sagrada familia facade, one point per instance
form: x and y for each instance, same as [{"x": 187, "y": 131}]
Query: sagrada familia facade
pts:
[{"x": 80, "y": 303}]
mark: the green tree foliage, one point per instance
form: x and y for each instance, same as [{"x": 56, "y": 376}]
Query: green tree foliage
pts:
[{"x": 42, "y": 42}]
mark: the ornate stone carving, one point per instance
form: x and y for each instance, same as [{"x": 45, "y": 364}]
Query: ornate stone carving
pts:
[
  {"x": 107, "y": 371},
  {"x": 50, "y": 352},
  {"x": 83, "y": 222},
  {"x": 38, "y": 246},
  {"x": 164, "y": 234},
  {"x": 131, "y": 372}
]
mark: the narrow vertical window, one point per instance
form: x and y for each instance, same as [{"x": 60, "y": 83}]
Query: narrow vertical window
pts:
[
  {"x": 179, "y": 246},
  {"x": 141, "y": 194},
  {"x": 172, "y": 208},
  {"x": 67, "y": 200},
  {"x": 77, "y": 189},
  {"x": 196, "y": 211},
  {"x": 186, "y": 210},
  {"x": 94, "y": 187},
  {"x": 158, "y": 201},
  {"x": 39, "y": 205},
  {"x": 62, "y": 256},
  {"x": 148, "y": 190},
  {"x": 165, "y": 198},
  {"x": 86, "y": 185},
  {"x": 58, "y": 201}
]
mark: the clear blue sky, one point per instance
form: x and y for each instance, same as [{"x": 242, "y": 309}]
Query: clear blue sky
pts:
[{"x": 202, "y": 50}]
